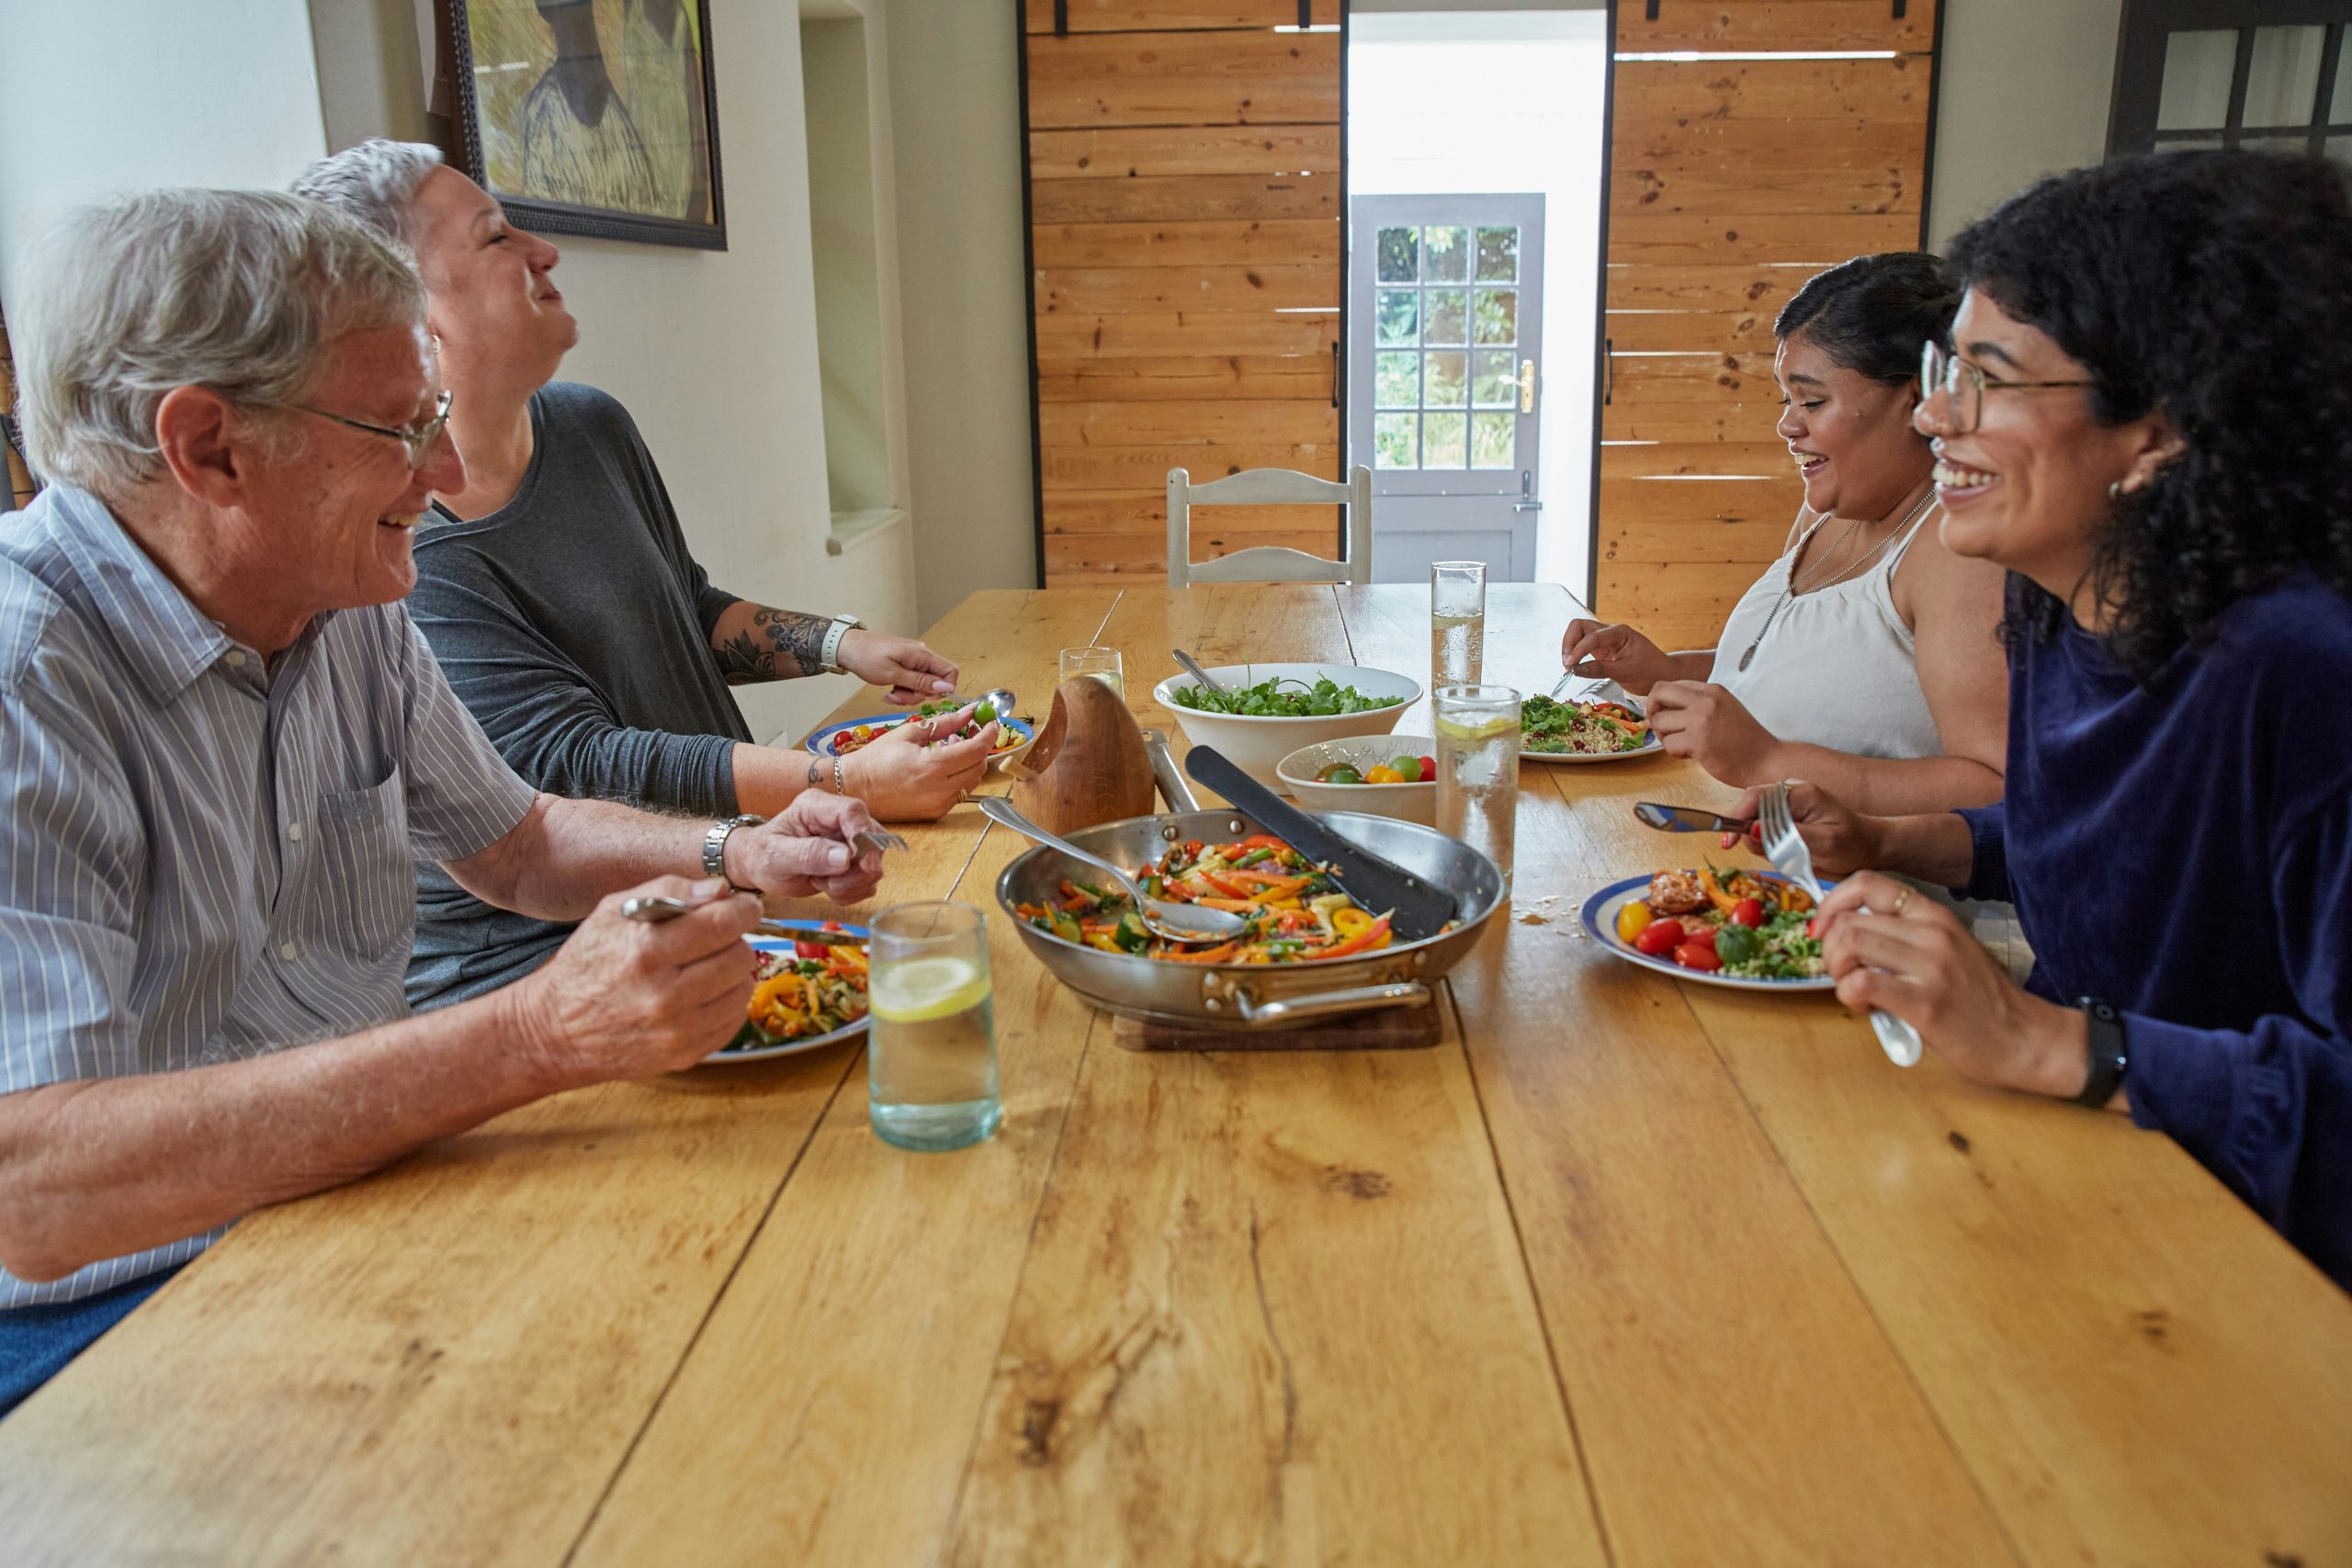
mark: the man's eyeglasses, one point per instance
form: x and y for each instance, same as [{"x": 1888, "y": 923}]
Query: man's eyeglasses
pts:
[
  {"x": 1964, "y": 387},
  {"x": 418, "y": 437}
]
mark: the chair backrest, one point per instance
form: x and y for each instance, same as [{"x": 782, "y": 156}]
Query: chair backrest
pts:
[{"x": 1269, "y": 563}]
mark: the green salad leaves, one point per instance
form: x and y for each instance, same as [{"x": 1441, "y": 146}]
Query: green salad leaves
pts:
[{"x": 1267, "y": 699}]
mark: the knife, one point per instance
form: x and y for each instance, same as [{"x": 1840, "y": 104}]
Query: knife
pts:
[
  {"x": 1417, "y": 910},
  {"x": 654, "y": 907},
  {"x": 1687, "y": 820}
]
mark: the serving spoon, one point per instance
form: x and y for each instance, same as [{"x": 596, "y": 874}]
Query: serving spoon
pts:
[
  {"x": 1171, "y": 921},
  {"x": 1192, "y": 668}
]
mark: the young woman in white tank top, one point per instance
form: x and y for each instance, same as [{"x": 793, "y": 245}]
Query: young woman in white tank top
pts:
[{"x": 1866, "y": 654}]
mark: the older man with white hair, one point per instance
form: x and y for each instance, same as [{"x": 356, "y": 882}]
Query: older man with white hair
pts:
[{"x": 222, "y": 743}]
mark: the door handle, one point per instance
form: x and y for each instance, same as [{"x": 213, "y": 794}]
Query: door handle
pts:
[
  {"x": 1335, "y": 376},
  {"x": 1608, "y": 370},
  {"x": 1527, "y": 386}
]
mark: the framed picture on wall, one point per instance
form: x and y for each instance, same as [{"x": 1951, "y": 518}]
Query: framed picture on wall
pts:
[{"x": 593, "y": 117}]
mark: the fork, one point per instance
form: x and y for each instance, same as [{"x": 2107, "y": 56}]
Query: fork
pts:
[
  {"x": 1789, "y": 856},
  {"x": 878, "y": 839}
]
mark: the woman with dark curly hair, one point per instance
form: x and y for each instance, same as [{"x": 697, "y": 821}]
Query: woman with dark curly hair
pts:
[
  {"x": 1863, "y": 659},
  {"x": 2147, "y": 418}
]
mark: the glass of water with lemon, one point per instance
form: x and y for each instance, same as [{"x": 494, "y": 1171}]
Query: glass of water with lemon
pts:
[
  {"x": 931, "y": 1051},
  {"x": 1478, "y": 769}
]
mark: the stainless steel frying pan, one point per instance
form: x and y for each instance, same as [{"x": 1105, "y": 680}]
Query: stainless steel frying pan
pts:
[{"x": 1253, "y": 996}]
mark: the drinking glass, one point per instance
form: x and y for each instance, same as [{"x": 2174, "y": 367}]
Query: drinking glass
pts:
[
  {"x": 1103, "y": 663},
  {"x": 931, "y": 1051},
  {"x": 1478, "y": 769},
  {"x": 1457, "y": 622}
]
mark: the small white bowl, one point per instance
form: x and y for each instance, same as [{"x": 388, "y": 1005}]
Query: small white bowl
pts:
[
  {"x": 1406, "y": 802},
  {"x": 1256, "y": 743}
]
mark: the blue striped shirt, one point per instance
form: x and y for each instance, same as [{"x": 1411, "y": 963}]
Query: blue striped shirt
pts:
[{"x": 205, "y": 857}]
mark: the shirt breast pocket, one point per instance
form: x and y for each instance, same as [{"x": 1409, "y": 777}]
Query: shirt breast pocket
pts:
[{"x": 364, "y": 880}]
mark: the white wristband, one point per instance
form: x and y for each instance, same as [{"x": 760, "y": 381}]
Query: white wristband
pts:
[{"x": 829, "y": 659}]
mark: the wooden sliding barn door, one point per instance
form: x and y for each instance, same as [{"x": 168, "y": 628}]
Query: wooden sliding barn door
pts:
[
  {"x": 1731, "y": 181},
  {"x": 1185, "y": 194}
]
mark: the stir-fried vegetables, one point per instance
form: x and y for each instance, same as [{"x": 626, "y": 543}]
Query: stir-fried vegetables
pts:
[
  {"x": 857, "y": 738},
  {"x": 1579, "y": 729},
  {"x": 810, "y": 990},
  {"x": 1294, "y": 912},
  {"x": 1269, "y": 699}
]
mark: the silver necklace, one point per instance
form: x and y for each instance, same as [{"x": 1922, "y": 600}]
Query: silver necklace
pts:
[{"x": 1797, "y": 584}]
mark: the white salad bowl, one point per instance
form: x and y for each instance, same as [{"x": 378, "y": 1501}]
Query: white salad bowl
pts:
[
  {"x": 1404, "y": 802},
  {"x": 1257, "y": 744}
]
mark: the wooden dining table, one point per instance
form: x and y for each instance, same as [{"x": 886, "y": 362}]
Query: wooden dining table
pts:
[{"x": 1625, "y": 1270}]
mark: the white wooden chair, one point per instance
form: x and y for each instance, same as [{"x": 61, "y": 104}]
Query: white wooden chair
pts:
[{"x": 1269, "y": 563}]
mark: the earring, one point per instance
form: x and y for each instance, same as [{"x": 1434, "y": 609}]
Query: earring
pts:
[{"x": 2115, "y": 491}]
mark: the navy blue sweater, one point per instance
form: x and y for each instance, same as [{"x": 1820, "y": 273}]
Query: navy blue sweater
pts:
[{"x": 2183, "y": 850}]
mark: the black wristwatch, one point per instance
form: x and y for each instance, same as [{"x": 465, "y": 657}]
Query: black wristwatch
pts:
[{"x": 2109, "y": 1057}]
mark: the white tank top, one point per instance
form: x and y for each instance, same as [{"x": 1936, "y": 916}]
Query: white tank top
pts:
[{"x": 1837, "y": 666}]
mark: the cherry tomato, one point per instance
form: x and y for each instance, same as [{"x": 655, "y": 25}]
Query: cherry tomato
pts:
[
  {"x": 809, "y": 948},
  {"x": 1429, "y": 767},
  {"x": 1658, "y": 937},
  {"x": 1382, "y": 773},
  {"x": 1691, "y": 955},
  {"x": 1701, "y": 936},
  {"x": 1632, "y": 918},
  {"x": 1408, "y": 769},
  {"x": 1747, "y": 912}
]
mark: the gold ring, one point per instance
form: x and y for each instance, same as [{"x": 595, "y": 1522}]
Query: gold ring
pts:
[{"x": 1902, "y": 897}]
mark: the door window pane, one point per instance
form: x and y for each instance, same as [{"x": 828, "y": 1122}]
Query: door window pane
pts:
[
  {"x": 1445, "y": 378},
  {"x": 1398, "y": 315},
  {"x": 1394, "y": 442},
  {"x": 1441, "y": 441},
  {"x": 1491, "y": 438},
  {"x": 1447, "y": 253},
  {"x": 1498, "y": 319},
  {"x": 2198, "y": 67},
  {"x": 1397, "y": 380},
  {"x": 1400, "y": 256},
  {"x": 1494, "y": 380},
  {"x": 1499, "y": 255},
  {"x": 2282, "y": 79},
  {"x": 2340, "y": 111},
  {"x": 1448, "y": 311}
]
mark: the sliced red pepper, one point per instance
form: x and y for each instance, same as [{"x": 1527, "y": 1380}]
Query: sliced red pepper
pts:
[
  {"x": 1262, "y": 841},
  {"x": 1230, "y": 889},
  {"x": 1207, "y": 956}
]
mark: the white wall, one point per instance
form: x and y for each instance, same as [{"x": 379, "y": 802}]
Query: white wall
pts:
[
  {"x": 103, "y": 96},
  {"x": 2023, "y": 91},
  {"x": 1509, "y": 101},
  {"x": 955, "y": 122}
]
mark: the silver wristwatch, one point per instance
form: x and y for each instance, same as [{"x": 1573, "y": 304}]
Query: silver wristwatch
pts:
[
  {"x": 829, "y": 659},
  {"x": 714, "y": 848}
]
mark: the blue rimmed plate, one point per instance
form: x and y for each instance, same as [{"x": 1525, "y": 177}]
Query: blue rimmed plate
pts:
[
  {"x": 820, "y": 740},
  {"x": 764, "y": 1051},
  {"x": 1598, "y": 917}
]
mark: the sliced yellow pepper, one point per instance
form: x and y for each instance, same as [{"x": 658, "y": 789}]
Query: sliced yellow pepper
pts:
[{"x": 1350, "y": 923}]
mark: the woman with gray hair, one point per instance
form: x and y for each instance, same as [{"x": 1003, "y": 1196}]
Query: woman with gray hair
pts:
[{"x": 558, "y": 589}]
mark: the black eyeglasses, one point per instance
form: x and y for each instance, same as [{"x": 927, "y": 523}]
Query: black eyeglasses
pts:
[
  {"x": 418, "y": 437},
  {"x": 1964, "y": 386}
]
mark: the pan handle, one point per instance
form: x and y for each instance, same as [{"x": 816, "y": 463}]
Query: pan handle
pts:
[
  {"x": 1172, "y": 787},
  {"x": 1256, "y": 1014}
]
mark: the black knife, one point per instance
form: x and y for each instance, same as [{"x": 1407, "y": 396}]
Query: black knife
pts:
[
  {"x": 1687, "y": 820},
  {"x": 1418, "y": 911}
]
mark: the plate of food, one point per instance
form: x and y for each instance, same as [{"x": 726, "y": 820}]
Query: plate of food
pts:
[
  {"x": 1294, "y": 912},
  {"x": 1742, "y": 928},
  {"x": 808, "y": 994},
  {"x": 855, "y": 733},
  {"x": 1594, "y": 729}
]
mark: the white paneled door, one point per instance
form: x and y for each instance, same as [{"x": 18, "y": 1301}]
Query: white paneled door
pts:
[{"x": 1444, "y": 340}]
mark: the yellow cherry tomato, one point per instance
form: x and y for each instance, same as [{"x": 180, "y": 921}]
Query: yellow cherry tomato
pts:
[
  {"x": 1383, "y": 774},
  {"x": 1631, "y": 920},
  {"x": 1350, "y": 923}
]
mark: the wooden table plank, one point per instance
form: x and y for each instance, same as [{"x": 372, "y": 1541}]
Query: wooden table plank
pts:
[
  {"x": 1733, "y": 1397},
  {"x": 2062, "y": 1286}
]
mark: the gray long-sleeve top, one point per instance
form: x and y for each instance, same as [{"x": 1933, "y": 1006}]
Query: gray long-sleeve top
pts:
[{"x": 576, "y": 625}]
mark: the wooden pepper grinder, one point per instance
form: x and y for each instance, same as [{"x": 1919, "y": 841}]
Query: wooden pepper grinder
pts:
[{"x": 1088, "y": 764}]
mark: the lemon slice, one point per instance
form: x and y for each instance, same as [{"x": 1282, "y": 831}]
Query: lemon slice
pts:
[
  {"x": 917, "y": 991},
  {"x": 1453, "y": 730}
]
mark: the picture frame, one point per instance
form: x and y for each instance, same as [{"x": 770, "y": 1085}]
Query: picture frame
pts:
[{"x": 597, "y": 118}]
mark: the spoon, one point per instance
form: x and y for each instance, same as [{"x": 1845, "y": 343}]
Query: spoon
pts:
[
  {"x": 1000, "y": 699},
  {"x": 1192, "y": 668},
  {"x": 1173, "y": 922}
]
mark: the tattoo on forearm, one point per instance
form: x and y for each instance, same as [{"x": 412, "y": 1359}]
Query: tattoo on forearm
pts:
[{"x": 779, "y": 644}]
